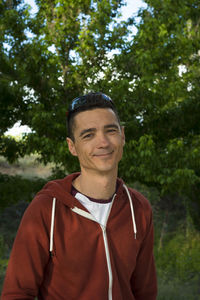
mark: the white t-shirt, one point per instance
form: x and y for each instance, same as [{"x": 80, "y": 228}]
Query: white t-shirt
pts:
[{"x": 100, "y": 211}]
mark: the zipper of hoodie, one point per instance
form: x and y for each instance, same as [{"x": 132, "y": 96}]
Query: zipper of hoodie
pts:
[
  {"x": 103, "y": 227},
  {"x": 108, "y": 262},
  {"x": 110, "y": 276}
]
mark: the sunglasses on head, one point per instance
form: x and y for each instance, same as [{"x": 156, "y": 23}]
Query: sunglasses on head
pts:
[{"x": 89, "y": 100}]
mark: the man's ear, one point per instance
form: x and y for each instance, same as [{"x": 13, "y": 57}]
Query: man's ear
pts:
[
  {"x": 71, "y": 146},
  {"x": 123, "y": 135}
]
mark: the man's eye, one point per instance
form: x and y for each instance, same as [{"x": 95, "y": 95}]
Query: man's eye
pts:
[
  {"x": 111, "y": 130},
  {"x": 87, "y": 136}
]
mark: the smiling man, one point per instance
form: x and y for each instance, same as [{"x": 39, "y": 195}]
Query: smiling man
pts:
[
  {"x": 86, "y": 236},
  {"x": 98, "y": 142}
]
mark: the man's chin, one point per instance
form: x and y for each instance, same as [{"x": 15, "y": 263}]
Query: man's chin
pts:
[{"x": 106, "y": 168}]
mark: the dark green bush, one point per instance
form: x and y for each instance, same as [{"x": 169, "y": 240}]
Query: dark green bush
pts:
[
  {"x": 180, "y": 257},
  {"x": 16, "y": 188},
  {"x": 9, "y": 223},
  {"x": 15, "y": 194}
]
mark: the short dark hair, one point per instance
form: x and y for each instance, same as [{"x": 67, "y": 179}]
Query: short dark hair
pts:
[{"x": 86, "y": 102}]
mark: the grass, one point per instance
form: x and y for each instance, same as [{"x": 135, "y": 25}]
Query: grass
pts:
[
  {"x": 177, "y": 290},
  {"x": 28, "y": 167}
]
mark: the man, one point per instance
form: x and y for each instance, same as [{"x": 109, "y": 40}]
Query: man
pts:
[{"x": 87, "y": 236}]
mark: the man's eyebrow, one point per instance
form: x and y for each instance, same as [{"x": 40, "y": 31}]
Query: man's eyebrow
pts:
[
  {"x": 88, "y": 130},
  {"x": 111, "y": 126}
]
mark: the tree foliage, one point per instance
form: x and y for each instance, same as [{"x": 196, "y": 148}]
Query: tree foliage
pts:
[
  {"x": 71, "y": 48},
  {"x": 13, "y": 23},
  {"x": 63, "y": 55},
  {"x": 163, "y": 108}
]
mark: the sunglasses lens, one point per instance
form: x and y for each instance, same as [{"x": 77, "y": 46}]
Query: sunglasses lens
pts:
[{"x": 77, "y": 102}]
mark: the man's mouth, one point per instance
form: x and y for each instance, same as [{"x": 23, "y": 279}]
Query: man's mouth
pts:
[{"x": 103, "y": 154}]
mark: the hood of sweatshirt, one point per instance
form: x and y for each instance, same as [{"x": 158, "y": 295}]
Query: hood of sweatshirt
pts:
[{"x": 61, "y": 189}]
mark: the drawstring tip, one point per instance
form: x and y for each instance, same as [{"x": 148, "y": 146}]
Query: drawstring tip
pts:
[{"x": 135, "y": 235}]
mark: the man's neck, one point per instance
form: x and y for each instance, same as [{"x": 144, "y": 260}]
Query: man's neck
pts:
[{"x": 96, "y": 186}]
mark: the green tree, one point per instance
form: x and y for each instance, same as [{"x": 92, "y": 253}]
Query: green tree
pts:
[
  {"x": 64, "y": 54},
  {"x": 162, "y": 107},
  {"x": 13, "y": 24},
  {"x": 153, "y": 77}
]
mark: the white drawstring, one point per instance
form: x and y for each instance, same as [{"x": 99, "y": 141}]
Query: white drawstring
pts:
[
  {"x": 52, "y": 224},
  {"x": 78, "y": 211},
  {"x": 132, "y": 210}
]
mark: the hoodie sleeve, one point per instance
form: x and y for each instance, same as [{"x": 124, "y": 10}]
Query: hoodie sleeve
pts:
[
  {"x": 144, "y": 281},
  {"x": 30, "y": 253}
]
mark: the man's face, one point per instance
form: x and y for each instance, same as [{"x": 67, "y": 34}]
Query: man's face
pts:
[{"x": 98, "y": 140}]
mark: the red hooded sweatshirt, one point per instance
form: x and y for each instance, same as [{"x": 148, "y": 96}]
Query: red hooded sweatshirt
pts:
[{"x": 62, "y": 252}]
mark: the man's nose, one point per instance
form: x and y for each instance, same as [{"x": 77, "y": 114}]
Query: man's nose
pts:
[{"x": 103, "y": 140}]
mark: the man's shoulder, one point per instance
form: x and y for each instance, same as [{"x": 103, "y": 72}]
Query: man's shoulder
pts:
[
  {"x": 58, "y": 188},
  {"x": 139, "y": 199},
  {"x": 43, "y": 198}
]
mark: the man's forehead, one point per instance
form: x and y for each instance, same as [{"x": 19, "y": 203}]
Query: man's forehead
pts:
[{"x": 88, "y": 116}]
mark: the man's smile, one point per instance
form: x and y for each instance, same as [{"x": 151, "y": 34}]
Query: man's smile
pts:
[{"x": 103, "y": 154}]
